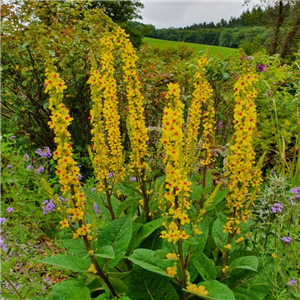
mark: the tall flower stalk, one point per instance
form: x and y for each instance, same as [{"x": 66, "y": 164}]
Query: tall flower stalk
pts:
[
  {"x": 202, "y": 105},
  {"x": 176, "y": 205},
  {"x": 67, "y": 171},
  {"x": 136, "y": 126},
  {"x": 107, "y": 146},
  {"x": 244, "y": 176}
]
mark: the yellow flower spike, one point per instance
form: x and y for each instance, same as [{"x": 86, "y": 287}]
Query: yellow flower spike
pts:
[
  {"x": 202, "y": 96},
  {"x": 177, "y": 183},
  {"x": 108, "y": 155},
  {"x": 244, "y": 177},
  {"x": 274, "y": 255},
  {"x": 136, "y": 120}
]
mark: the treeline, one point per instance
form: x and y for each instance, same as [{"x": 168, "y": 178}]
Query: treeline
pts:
[{"x": 250, "y": 25}]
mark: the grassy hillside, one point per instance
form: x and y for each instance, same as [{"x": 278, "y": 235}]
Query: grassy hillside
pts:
[{"x": 198, "y": 47}]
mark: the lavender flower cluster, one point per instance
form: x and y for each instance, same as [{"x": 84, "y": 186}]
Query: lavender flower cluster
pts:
[
  {"x": 44, "y": 153},
  {"x": 48, "y": 207},
  {"x": 277, "y": 208},
  {"x": 295, "y": 194}
]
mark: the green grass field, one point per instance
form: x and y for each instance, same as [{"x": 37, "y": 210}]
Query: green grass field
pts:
[{"x": 198, "y": 47}]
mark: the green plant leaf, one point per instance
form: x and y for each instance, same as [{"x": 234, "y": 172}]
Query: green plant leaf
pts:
[
  {"x": 144, "y": 285},
  {"x": 144, "y": 231},
  {"x": 219, "y": 198},
  {"x": 129, "y": 201},
  {"x": 217, "y": 291},
  {"x": 219, "y": 237},
  {"x": 146, "y": 259},
  {"x": 245, "y": 262},
  {"x": 116, "y": 234},
  {"x": 10, "y": 296},
  {"x": 105, "y": 252},
  {"x": 67, "y": 262},
  {"x": 205, "y": 267},
  {"x": 75, "y": 246},
  {"x": 70, "y": 289}
]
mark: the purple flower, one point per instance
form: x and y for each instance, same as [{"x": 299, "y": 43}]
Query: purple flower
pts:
[
  {"x": 133, "y": 179},
  {"x": 220, "y": 125},
  {"x": 2, "y": 220},
  {"x": 79, "y": 176},
  {"x": 2, "y": 245},
  {"x": 286, "y": 239},
  {"x": 261, "y": 67},
  {"x": 96, "y": 209},
  {"x": 39, "y": 170},
  {"x": 247, "y": 57},
  {"x": 277, "y": 207},
  {"x": 9, "y": 166},
  {"x": 9, "y": 209},
  {"x": 26, "y": 157},
  {"x": 44, "y": 153},
  {"x": 94, "y": 189},
  {"x": 110, "y": 175},
  {"x": 292, "y": 281},
  {"x": 29, "y": 167},
  {"x": 62, "y": 199},
  {"x": 12, "y": 137},
  {"x": 49, "y": 206},
  {"x": 295, "y": 190}
]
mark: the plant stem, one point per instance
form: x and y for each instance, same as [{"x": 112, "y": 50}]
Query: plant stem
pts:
[
  {"x": 145, "y": 196},
  {"x": 96, "y": 265},
  {"x": 12, "y": 285},
  {"x": 203, "y": 186},
  {"x": 111, "y": 211},
  {"x": 182, "y": 267}
]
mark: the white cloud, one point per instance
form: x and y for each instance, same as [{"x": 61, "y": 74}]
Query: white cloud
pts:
[{"x": 172, "y": 13}]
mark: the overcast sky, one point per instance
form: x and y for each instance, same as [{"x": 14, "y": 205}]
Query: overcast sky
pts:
[{"x": 172, "y": 13}]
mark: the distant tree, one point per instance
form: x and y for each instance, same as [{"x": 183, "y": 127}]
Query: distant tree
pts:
[{"x": 120, "y": 11}]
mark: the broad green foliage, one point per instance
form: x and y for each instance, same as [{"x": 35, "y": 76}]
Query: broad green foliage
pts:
[{"x": 161, "y": 217}]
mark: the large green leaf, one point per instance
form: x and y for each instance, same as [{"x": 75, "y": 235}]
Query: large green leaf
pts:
[
  {"x": 118, "y": 235},
  {"x": 219, "y": 237},
  {"x": 219, "y": 198},
  {"x": 144, "y": 231},
  {"x": 217, "y": 291},
  {"x": 245, "y": 262},
  {"x": 200, "y": 239},
  {"x": 205, "y": 267},
  {"x": 255, "y": 289},
  {"x": 143, "y": 285},
  {"x": 71, "y": 290},
  {"x": 105, "y": 252},
  {"x": 124, "y": 205},
  {"x": 68, "y": 262},
  {"x": 147, "y": 259},
  {"x": 75, "y": 246}
]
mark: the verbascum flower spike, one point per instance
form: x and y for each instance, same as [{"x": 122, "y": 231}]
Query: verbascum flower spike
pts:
[
  {"x": 67, "y": 170},
  {"x": 240, "y": 163},
  {"x": 177, "y": 184},
  {"x": 202, "y": 96},
  {"x": 136, "y": 118},
  {"x": 107, "y": 146}
]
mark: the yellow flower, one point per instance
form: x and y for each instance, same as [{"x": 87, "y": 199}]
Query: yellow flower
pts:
[
  {"x": 228, "y": 246},
  {"x": 193, "y": 288},
  {"x": 172, "y": 256},
  {"x": 64, "y": 224},
  {"x": 92, "y": 269},
  {"x": 172, "y": 271},
  {"x": 274, "y": 255}
]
